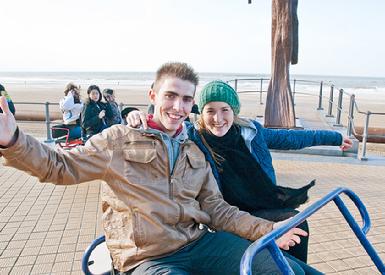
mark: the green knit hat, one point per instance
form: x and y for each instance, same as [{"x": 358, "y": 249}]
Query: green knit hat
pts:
[{"x": 218, "y": 90}]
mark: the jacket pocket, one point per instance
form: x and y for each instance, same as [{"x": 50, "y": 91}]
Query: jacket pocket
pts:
[
  {"x": 138, "y": 232},
  {"x": 195, "y": 161},
  {"x": 140, "y": 156},
  {"x": 140, "y": 166},
  {"x": 194, "y": 171}
]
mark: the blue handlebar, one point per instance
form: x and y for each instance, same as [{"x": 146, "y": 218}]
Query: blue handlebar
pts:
[{"x": 268, "y": 241}]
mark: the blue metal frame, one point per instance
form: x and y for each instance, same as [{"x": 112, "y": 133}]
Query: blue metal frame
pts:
[
  {"x": 268, "y": 241},
  {"x": 87, "y": 254}
]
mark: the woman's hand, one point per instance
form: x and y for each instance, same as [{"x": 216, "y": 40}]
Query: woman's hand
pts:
[
  {"x": 102, "y": 114},
  {"x": 136, "y": 118},
  {"x": 347, "y": 143}
]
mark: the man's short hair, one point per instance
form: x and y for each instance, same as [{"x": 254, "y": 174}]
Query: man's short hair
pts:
[{"x": 176, "y": 69}]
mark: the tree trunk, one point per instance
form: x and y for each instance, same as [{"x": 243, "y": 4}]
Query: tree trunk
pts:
[{"x": 279, "y": 112}]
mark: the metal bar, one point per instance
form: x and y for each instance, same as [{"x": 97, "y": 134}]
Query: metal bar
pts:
[
  {"x": 351, "y": 115},
  {"x": 330, "y": 109},
  {"x": 365, "y": 137},
  {"x": 87, "y": 254},
  {"x": 279, "y": 259},
  {"x": 268, "y": 239},
  {"x": 260, "y": 92},
  {"x": 320, "y": 97},
  {"x": 360, "y": 235},
  {"x": 236, "y": 85},
  {"x": 48, "y": 123},
  {"x": 339, "y": 108}
]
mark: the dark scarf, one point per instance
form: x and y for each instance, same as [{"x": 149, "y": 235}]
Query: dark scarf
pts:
[{"x": 244, "y": 182}]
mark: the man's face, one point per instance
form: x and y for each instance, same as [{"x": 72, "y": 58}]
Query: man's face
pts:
[{"x": 172, "y": 103}]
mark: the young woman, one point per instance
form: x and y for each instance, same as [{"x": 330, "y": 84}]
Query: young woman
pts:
[
  {"x": 71, "y": 107},
  {"x": 238, "y": 151},
  {"x": 94, "y": 113}
]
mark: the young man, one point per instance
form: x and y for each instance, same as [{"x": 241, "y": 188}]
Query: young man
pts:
[{"x": 157, "y": 191}]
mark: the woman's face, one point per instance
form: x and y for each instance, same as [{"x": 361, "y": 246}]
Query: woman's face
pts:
[
  {"x": 218, "y": 117},
  {"x": 94, "y": 95},
  {"x": 75, "y": 92}
]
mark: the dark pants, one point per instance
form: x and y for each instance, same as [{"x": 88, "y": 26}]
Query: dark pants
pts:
[
  {"x": 75, "y": 131},
  {"x": 299, "y": 251},
  {"x": 216, "y": 253}
]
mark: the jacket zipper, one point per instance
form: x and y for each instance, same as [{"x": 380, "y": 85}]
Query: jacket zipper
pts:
[{"x": 170, "y": 188}]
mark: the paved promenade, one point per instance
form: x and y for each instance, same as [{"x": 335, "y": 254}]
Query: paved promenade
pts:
[{"x": 44, "y": 228}]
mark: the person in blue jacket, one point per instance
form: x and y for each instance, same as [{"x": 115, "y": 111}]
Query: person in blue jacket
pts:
[{"x": 238, "y": 151}]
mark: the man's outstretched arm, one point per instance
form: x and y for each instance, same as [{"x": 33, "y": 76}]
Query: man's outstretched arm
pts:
[{"x": 25, "y": 153}]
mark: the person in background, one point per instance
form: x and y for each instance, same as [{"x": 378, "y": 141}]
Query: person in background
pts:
[
  {"x": 238, "y": 151},
  {"x": 109, "y": 97},
  {"x": 71, "y": 107},
  {"x": 94, "y": 114},
  {"x": 158, "y": 192},
  {"x": 3, "y": 92}
]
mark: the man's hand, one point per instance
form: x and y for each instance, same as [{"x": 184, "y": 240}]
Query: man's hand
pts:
[
  {"x": 136, "y": 118},
  {"x": 347, "y": 143},
  {"x": 290, "y": 238},
  {"x": 7, "y": 123}
]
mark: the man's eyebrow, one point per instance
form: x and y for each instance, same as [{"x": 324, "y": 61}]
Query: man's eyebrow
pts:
[
  {"x": 171, "y": 92},
  {"x": 176, "y": 94},
  {"x": 188, "y": 97}
]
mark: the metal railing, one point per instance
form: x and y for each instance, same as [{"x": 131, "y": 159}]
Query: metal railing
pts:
[
  {"x": 261, "y": 86},
  {"x": 47, "y": 115},
  {"x": 268, "y": 241},
  {"x": 365, "y": 134},
  {"x": 332, "y": 104}
]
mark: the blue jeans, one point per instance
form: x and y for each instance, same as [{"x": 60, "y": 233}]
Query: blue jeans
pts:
[
  {"x": 216, "y": 253},
  {"x": 75, "y": 132}
]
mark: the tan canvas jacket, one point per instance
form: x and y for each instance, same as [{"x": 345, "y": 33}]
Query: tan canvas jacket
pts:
[{"x": 147, "y": 212}]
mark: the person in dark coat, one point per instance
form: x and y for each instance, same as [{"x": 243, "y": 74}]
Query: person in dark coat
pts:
[
  {"x": 94, "y": 114},
  {"x": 116, "y": 118}
]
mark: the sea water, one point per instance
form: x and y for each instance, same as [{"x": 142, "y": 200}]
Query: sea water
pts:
[{"x": 350, "y": 84}]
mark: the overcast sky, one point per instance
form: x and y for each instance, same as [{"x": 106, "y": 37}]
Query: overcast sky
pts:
[{"x": 343, "y": 37}]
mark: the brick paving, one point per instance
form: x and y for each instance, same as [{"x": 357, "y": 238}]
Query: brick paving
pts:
[{"x": 44, "y": 228}]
